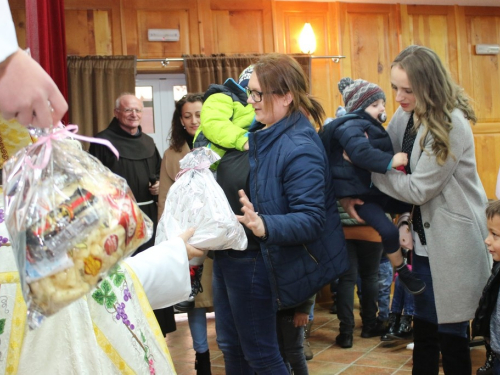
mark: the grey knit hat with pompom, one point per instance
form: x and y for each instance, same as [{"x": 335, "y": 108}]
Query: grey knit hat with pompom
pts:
[{"x": 359, "y": 94}]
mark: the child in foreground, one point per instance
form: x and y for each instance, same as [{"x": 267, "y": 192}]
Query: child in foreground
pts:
[
  {"x": 357, "y": 144},
  {"x": 486, "y": 322}
]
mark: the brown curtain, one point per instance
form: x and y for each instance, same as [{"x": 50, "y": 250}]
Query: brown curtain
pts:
[
  {"x": 201, "y": 71},
  {"x": 94, "y": 83}
]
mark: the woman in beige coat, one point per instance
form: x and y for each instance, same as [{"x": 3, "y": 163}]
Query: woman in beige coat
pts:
[
  {"x": 449, "y": 223},
  {"x": 185, "y": 122}
]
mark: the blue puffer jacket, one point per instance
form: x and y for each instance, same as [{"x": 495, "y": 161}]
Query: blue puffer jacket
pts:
[
  {"x": 372, "y": 154},
  {"x": 291, "y": 188}
]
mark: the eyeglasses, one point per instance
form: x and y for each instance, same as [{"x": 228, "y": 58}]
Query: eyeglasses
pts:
[
  {"x": 256, "y": 95},
  {"x": 130, "y": 110}
]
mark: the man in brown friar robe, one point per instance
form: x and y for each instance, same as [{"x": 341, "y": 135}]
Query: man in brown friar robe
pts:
[{"x": 139, "y": 162}]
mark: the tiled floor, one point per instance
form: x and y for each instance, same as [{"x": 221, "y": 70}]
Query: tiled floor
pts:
[{"x": 366, "y": 357}]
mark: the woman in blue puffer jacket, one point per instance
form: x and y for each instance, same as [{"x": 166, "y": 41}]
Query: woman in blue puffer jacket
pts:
[{"x": 302, "y": 246}]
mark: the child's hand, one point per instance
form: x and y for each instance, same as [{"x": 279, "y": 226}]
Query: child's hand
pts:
[
  {"x": 300, "y": 319},
  {"x": 399, "y": 159}
]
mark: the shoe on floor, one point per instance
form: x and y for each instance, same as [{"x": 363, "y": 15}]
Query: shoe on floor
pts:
[
  {"x": 405, "y": 330},
  {"x": 344, "y": 340},
  {"x": 411, "y": 283},
  {"x": 392, "y": 327},
  {"x": 378, "y": 329},
  {"x": 184, "y": 306}
]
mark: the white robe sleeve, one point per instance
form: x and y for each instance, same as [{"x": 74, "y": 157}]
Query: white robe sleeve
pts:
[
  {"x": 164, "y": 273},
  {"x": 8, "y": 40}
]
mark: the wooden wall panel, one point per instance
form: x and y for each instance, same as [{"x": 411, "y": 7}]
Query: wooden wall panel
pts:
[
  {"x": 88, "y": 32},
  {"x": 93, "y": 27},
  {"x": 325, "y": 74},
  {"x": 484, "y": 69},
  {"x": 243, "y": 26},
  {"x": 138, "y": 16},
  {"x": 369, "y": 40},
  {"x": 238, "y": 31},
  {"x": 174, "y": 19},
  {"x": 488, "y": 160}
]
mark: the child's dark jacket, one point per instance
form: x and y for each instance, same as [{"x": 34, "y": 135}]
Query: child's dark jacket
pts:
[
  {"x": 368, "y": 146},
  {"x": 487, "y": 303}
]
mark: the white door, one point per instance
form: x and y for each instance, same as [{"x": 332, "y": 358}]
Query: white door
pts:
[{"x": 159, "y": 93}]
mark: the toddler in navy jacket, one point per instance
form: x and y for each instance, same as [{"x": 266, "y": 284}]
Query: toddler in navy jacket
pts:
[{"x": 357, "y": 144}]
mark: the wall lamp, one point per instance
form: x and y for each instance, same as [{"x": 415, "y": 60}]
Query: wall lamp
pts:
[{"x": 307, "y": 40}]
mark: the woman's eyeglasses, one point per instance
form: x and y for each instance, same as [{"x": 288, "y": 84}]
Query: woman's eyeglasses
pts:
[{"x": 256, "y": 95}]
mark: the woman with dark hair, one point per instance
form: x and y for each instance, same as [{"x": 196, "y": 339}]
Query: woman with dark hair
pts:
[
  {"x": 296, "y": 243},
  {"x": 441, "y": 182},
  {"x": 185, "y": 122}
]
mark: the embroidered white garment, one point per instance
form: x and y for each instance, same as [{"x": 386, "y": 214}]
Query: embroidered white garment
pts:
[{"x": 112, "y": 330}]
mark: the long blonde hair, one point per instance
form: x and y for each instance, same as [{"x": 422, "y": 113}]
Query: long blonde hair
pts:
[
  {"x": 437, "y": 96},
  {"x": 280, "y": 74}
]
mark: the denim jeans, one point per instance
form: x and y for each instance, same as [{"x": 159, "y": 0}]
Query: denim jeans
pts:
[
  {"x": 496, "y": 366},
  {"x": 197, "y": 319},
  {"x": 290, "y": 339},
  {"x": 364, "y": 258},
  {"x": 245, "y": 319},
  {"x": 385, "y": 275},
  {"x": 402, "y": 299}
]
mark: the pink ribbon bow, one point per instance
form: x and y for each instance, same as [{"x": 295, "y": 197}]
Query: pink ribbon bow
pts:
[
  {"x": 62, "y": 132},
  {"x": 202, "y": 165}
]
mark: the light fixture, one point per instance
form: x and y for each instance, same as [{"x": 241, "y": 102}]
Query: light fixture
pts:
[{"x": 307, "y": 41}]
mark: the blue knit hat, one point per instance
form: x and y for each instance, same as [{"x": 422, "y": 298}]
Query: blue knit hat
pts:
[
  {"x": 245, "y": 76},
  {"x": 359, "y": 94}
]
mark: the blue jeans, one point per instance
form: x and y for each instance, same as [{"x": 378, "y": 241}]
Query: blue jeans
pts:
[
  {"x": 385, "y": 274},
  {"x": 311, "y": 313},
  {"x": 401, "y": 299},
  {"x": 374, "y": 214},
  {"x": 496, "y": 366},
  {"x": 245, "y": 319},
  {"x": 197, "y": 319},
  {"x": 364, "y": 258},
  {"x": 291, "y": 339}
]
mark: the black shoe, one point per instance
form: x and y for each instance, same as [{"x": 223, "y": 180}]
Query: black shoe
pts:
[
  {"x": 184, "y": 306},
  {"x": 202, "y": 363},
  {"x": 392, "y": 327},
  {"x": 378, "y": 329},
  {"x": 405, "y": 331},
  {"x": 487, "y": 368},
  {"x": 344, "y": 340},
  {"x": 333, "y": 308},
  {"x": 411, "y": 283}
]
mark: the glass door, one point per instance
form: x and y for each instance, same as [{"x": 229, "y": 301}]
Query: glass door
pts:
[{"x": 159, "y": 93}]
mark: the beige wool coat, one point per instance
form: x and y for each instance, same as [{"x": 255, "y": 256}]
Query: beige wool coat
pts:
[
  {"x": 169, "y": 169},
  {"x": 453, "y": 202}
]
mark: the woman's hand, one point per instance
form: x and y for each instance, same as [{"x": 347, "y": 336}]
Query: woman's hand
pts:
[
  {"x": 250, "y": 218},
  {"x": 348, "y": 206},
  {"x": 191, "y": 250},
  {"x": 300, "y": 319}
]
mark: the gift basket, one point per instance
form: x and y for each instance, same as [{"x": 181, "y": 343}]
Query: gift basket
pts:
[
  {"x": 70, "y": 220},
  {"x": 196, "y": 200}
]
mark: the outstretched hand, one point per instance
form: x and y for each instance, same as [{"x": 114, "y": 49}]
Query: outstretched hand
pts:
[
  {"x": 28, "y": 93},
  {"x": 250, "y": 218},
  {"x": 192, "y": 251}
]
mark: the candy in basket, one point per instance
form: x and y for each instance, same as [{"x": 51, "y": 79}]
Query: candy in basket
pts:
[{"x": 70, "y": 221}]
